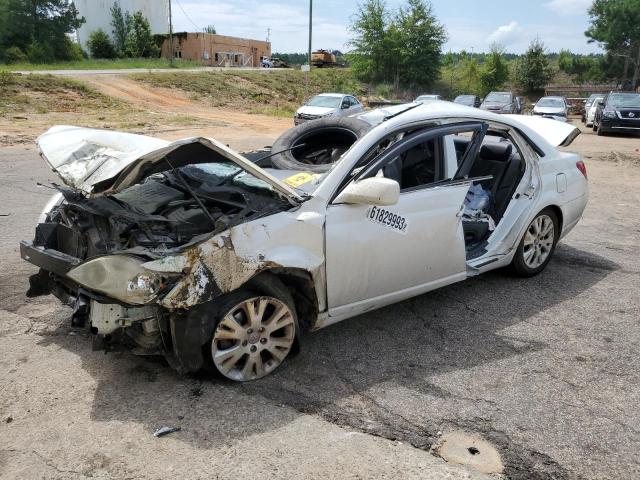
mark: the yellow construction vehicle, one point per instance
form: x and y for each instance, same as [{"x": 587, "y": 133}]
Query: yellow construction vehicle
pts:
[{"x": 324, "y": 59}]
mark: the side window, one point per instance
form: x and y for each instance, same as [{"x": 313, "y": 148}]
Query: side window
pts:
[
  {"x": 354, "y": 101},
  {"x": 417, "y": 166}
]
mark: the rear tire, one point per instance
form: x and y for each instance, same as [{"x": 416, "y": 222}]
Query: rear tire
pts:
[
  {"x": 601, "y": 131},
  {"x": 325, "y": 140},
  {"x": 537, "y": 245}
]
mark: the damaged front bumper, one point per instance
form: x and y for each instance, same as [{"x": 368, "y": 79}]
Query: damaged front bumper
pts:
[{"x": 114, "y": 325}]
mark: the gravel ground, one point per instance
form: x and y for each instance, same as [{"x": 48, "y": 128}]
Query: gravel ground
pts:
[{"x": 544, "y": 369}]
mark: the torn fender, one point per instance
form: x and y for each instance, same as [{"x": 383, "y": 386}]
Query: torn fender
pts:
[{"x": 228, "y": 260}]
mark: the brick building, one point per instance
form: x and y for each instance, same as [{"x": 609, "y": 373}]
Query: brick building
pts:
[{"x": 217, "y": 50}]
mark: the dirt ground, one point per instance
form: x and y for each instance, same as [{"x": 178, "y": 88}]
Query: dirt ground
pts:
[{"x": 545, "y": 370}]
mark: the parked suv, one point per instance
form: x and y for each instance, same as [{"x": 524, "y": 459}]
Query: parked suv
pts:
[
  {"x": 500, "y": 102},
  {"x": 618, "y": 112}
]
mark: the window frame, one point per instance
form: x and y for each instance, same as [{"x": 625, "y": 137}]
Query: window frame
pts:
[{"x": 423, "y": 135}]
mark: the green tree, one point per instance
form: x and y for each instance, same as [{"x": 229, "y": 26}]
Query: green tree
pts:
[
  {"x": 140, "y": 41},
  {"x": 209, "y": 29},
  {"x": 470, "y": 74},
  {"x": 615, "y": 25},
  {"x": 532, "y": 71},
  {"x": 121, "y": 23},
  {"x": 40, "y": 27},
  {"x": 370, "y": 40},
  {"x": 494, "y": 72},
  {"x": 419, "y": 40},
  {"x": 402, "y": 48},
  {"x": 100, "y": 45}
]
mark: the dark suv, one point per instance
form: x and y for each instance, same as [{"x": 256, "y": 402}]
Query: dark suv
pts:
[
  {"x": 500, "y": 102},
  {"x": 618, "y": 112}
]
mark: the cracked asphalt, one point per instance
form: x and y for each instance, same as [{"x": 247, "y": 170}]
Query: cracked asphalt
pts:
[{"x": 545, "y": 369}]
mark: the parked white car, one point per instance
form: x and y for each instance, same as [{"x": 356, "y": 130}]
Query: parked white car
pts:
[
  {"x": 192, "y": 251},
  {"x": 591, "y": 111},
  {"x": 328, "y": 105}
]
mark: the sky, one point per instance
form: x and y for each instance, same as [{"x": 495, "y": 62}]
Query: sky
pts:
[{"x": 470, "y": 24}]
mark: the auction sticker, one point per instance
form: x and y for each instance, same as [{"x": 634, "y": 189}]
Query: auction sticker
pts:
[
  {"x": 299, "y": 179},
  {"x": 388, "y": 219}
]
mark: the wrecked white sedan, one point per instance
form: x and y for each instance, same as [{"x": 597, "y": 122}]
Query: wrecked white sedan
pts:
[{"x": 215, "y": 260}]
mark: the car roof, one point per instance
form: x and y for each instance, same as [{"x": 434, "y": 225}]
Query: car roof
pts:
[
  {"x": 440, "y": 109},
  {"x": 332, "y": 95},
  {"x": 559, "y": 97}
]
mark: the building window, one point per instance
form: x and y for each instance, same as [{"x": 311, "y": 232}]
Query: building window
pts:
[{"x": 177, "y": 54}]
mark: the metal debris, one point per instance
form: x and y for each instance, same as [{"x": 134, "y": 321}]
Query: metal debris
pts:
[{"x": 164, "y": 430}]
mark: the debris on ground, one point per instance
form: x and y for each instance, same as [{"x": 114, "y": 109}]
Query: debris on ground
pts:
[{"x": 164, "y": 430}]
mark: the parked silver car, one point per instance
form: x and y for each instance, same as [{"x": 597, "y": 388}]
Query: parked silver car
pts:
[
  {"x": 423, "y": 98},
  {"x": 500, "y": 102},
  {"x": 555, "y": 108},
  {"x": 328, "y": 105}
]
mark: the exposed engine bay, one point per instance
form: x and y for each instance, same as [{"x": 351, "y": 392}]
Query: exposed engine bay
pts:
[{"x": 166, "y": 211}]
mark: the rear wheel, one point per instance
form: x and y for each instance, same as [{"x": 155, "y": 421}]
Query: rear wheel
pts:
[
  {"x": 601, "y": 131},
  {"x": 537, "y": 244},
  {"x": 253, "y": 335}
]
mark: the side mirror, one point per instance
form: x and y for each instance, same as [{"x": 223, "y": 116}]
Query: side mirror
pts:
[
  {"x": 533, "y": 105},
  {"x": 601, "y": 103},
  {"x": 371, "y": 191},
  {"x": 344, "y": 106}
]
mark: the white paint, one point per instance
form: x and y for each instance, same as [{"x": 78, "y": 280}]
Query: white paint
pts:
[{"x": 97, "y": 15}]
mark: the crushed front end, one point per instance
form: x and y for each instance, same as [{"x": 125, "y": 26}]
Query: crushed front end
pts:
[{"x": 98, "y": 252}]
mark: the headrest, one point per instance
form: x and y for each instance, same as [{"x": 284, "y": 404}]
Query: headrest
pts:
[{"x": 498, "y": 152}]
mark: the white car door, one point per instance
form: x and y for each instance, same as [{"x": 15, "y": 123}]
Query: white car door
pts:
[{"x": 380, "y": 255}]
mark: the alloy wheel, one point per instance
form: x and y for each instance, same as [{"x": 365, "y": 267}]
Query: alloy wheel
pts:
[
  {"x": 253, "y": 338},
  {"x": 538, "y": 241}
]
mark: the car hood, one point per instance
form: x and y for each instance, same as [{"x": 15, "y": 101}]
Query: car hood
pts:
[
  {"x": 556, "y": 133},
  {"x": 549, "y": 110},
  {"x": 93, "y": 160},
  {"x": 309, "y": 110}
]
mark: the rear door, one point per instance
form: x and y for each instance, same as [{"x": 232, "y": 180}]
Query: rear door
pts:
[{"x": 379, "y": 255}]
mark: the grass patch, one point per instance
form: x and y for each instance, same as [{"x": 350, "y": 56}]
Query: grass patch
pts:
[
  {"x": 101, "y": 64},
  {"x": 272, "y": 92},
  {"x": 41, "y": 94}
]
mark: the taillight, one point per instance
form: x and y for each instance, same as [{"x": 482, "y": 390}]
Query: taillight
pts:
[{"x": 583, "y": 168}]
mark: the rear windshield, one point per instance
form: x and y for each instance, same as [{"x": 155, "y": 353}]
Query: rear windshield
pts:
[
  {"x": 625, "y": 100},
  {"x": 464, "y": 99},
  {"x": 498, "y": 97},
  {"x": 325, "y": 101}
]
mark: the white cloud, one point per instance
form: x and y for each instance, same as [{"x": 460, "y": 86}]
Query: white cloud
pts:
[
  {"x": 507, "y": 34},
  {"x": 568, "y": 7}
]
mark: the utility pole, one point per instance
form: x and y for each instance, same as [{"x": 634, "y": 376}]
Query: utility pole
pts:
[
  {"x": 170, "y": 36},
  {"x": 310, "y": 30}
]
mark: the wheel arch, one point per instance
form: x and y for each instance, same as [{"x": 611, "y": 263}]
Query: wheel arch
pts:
[
  {"x": 301, "y": 287},
  {"x": 558, "y": 211}
]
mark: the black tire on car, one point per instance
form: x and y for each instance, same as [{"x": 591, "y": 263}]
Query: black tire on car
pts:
[
  {"x": 600, "y": 131},
  {"x": 241, "y": 349},
  {"x": 536, "y": 242},
  {"x": 322, "y": 142}
]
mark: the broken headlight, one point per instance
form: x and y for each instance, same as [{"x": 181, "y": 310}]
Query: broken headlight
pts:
[{"x": 121, "y": 277}]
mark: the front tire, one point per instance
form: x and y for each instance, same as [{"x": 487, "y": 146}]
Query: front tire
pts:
[
  {"x": 253, "y": 335},
  {"x": 537, "y": 245}
]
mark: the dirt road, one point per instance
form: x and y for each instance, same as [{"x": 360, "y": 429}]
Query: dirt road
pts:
[
  {"x": 233, "y": 126},
  {"x": 545, "y": 369}
]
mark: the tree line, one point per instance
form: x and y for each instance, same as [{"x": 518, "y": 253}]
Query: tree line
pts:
[{"x": 403, "y": 48}]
